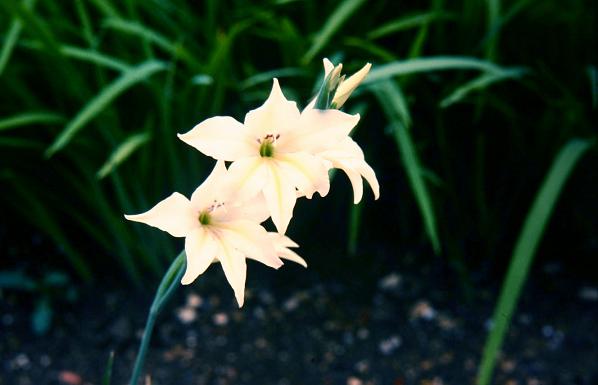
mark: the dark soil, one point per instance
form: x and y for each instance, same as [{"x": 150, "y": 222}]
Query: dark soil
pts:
[{"x": 410, "y": 326}]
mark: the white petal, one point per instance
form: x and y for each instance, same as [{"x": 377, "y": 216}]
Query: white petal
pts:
[
  {"x": 328, "y": 67},
  {"x": 346, "y": 88},
  {"x": 308, "y": 173},
  {"x": 277, "y": 115},
  {"x": 248, "y": 176},
  {"x": 281, "y": 244},
  {"x": 201, "y": 248},
  {"x": 251, "y": 240},
  {"x": 355, "y": 169},
  {"x": 213, "y": 187},
  {"x": 348, "y": 157},
  {"x": 291, "y": 256},
  {"x": 222, "y": 138},
  {"x": 310, "y": 105},
  {"x": 368, "y": 173},
  {"x": 254, "y": 209},
  {"x": 355, "y": 180},
  {"x": 173, "y": 215},
  {"x": 280, "y": 197},
  {"x": 235, "y": 269},
  {"x": 318, "y": 130}
]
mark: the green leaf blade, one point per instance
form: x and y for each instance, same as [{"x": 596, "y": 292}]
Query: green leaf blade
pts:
[
  {"x": 331, "y": 26},
  {"x": 395, "y": 107},
  {"x": 29, "y": 118},
  {"x": 122, "y": 152},
  {"x": 429, "y": 64},
  {"x": 481, "y": 82},
  {"x": 101, "y": 100},
  {"x": 525, "y": 248}
]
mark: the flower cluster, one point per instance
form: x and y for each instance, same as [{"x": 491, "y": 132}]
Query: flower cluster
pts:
[{"x": 278, "y": 154}]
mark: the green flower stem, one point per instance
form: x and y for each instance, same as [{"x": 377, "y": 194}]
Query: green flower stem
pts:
[{"x": 168, "y": 285}]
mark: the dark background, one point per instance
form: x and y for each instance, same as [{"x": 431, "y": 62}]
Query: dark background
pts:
[{"x": 482, "y": 159}]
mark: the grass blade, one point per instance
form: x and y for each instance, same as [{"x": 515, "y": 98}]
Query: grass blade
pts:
[
  {"x": 107, "y": 377},
  {"x": 394, "y": 106},
  {"x": 101, "y": 100},
  {"x": 524, "y": 251},
  {"x": 334, "y": 22},
  {"x": 372, "y": 49},
  {"x": 23, "y": 12},
  {"x": 85, "y": 22},
  {"x": 11, "y": 38},
  {"x": 138, "y": 29},
  {"x": 122, "y": 152},
  {"x": 29, "y": 118},
  {"x": 202, "y": 80},
  {"x": 481, "y": 82},
  {"x": 21, "y": 143},
  {"x": 593, "y": 77},
  {"x": 354, "y": 225},
  {"x": 95, "y": 57},
  {"x": 84, "y": 54},
  {"x": 493, "y": 25},
  {"x": 407, "y": 22},
  {"x": 428, "y": 64}
]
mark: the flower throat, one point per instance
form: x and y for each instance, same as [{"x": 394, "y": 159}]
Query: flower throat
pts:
[{"x": 267, "y": 145}]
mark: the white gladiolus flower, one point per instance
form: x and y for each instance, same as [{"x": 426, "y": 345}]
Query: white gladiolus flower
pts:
[
  {"x": 216, "y": 227},
  {"x": 273, "y": 150}
]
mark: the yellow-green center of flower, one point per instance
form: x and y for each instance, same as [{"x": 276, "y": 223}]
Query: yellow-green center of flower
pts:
[
  {"x": 267, "y": 145},
  {"x": 204, "y": 218}
]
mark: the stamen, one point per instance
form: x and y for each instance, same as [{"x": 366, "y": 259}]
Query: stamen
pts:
[{"x": 267, "y": 145}]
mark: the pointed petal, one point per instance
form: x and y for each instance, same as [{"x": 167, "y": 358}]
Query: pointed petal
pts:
[
  {"x": 346, "y": 88},
  {"x": 213, "y": 187},
  {"x": 248, "y": 176},
  {"x": 318, "y": 130},
  {"x": 235, "y": 269},
  {"x": 282, "y": 244},
  {"x": 308, "y": 173},
  {"x": 348, "y": 157},
  {"x": 368, "y": 173},
  {"x": 251, "y": 240},
  {"x": 280, "y": 197},
  {"x": 355, "y": 180},
  {"x": 222, "y": 138},
  {"x": 282, "y": 240},
  {"x": 201, "y": 248},
  {"x": 328, "y": 66},
  {"x": 290, "y": 255},
  {"x": 276, "y": 115},
  {"x": 173, "y": 215}
]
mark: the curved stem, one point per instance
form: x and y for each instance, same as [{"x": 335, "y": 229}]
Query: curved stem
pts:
[{"x": 167, "y": 286}]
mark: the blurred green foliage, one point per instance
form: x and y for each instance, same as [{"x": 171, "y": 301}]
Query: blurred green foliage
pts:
[
  {"x": 466, "y": 106},
  {"x": 94, "y": 91}
]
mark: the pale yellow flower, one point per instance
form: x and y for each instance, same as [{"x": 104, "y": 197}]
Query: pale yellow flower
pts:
[
  {"x": 345, "y": 154},
  {"x": 273, "y": 150},
  {"x": 216, "y": 227}
]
